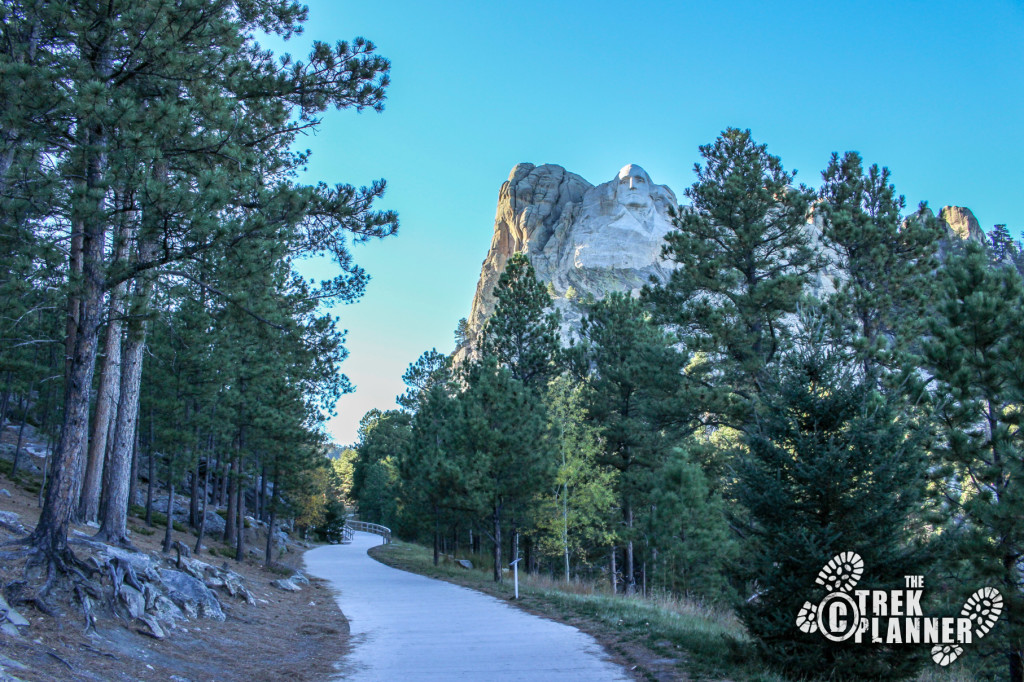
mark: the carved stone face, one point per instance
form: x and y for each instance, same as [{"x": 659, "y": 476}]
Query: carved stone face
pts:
[{"x": 634, "y": 187}]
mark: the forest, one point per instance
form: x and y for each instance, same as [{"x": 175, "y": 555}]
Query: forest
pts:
[
  {"x": 725, "y": 434},
  {"x": 154, "y": 329}
]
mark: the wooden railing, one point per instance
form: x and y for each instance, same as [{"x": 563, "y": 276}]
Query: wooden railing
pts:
[{"x": 362, "y": 526}]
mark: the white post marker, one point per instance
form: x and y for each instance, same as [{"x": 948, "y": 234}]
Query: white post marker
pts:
[{"x": 515, "y": 575}]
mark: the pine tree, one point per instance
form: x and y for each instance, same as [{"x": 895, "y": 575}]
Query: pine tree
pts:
[
  {"x": 687, "y": 530},
  {"x": 500, "y": 432},
  {"x": 172, "y": 108},
  {"x": 434, "y": 472},
  {"x": 636, "y": 395},
  {"x": 743, "y": 259},
  {"x": 886, "y": 262},
  {"x": 1003, "y": 245},
  {"x": 430, "y": 369},
  {"x": 976, "y": 356},
  {"x": 520, "y": 334},
  {"x": 832, "y": 466},
  {"x": 384, "y": 442}
]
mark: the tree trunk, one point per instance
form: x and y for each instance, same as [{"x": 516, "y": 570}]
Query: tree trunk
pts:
[
  {"x": 3, "y": 402},
  {"x": 630, "y": 572},
  {"x": 565, "y": 527},
  {"x": 224, "y": 467},
  {"x": 615, "y": 577},
  {"x": 193, "y": 503},
  {"x": 230, "y": 520},
  {"x": 206, "y": 498},
  {"x": 117, "y": 471},
  {"x": 152, "y": 480},
  {"x": 84, "y": 316},
  {"x": 437, "y": 533},
  {"x": 269, "y": 559},
  {"x": 133, "y": 481},
  {"x": 240, "y": 520},
  {"x": 496, "y": 520},
  {"x": 21, "y": 432},
  {"x": 263, "y": 495},
  {"x": 170, "y": 509},
  {"x": 109, "y": 392}
]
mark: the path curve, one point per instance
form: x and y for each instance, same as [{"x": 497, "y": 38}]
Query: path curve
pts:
[{"x": 408, "y": 628}]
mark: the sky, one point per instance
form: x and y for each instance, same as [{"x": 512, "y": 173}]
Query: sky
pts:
[{"x": 933, "y": 90}]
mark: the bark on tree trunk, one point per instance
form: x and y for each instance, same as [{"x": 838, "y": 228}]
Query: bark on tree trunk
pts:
[
  {"x": 65, "y": 468},
  {"x": 193, "y": 503},
  {"x": 496, "y": 520},
  {"x": 108, "y": 395},
  {"x": 3, "y": 401},
  {"x": 263, "y": 495},
  {"x": 240, "y": 520},
  {"x": 170, "y": 510},
  {"x": 615, "y": 577},
  {"x": 133, "y": 481},
  {"x": 230, "y": 520},
  {"x": 206, "y": 494},
  {"x": 269, "y": 559},
  {"x": 152, "y": 480},
  {"x": 117, "y": 471},
  {"x": 630, "y": 572},
  {"x": 437, "y": 533},
  {"x": 224, "y": 467},
  {"x": 21, "y": 432}
]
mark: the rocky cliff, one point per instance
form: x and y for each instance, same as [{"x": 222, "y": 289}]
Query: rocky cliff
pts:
[
  {"x": 590, "y": 240},
  {"x": 585, "y": 240}
]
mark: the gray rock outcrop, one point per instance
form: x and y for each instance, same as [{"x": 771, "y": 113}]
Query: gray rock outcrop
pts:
[
  {"x": 191, "y": 595},
  {"x": 588, "y": 241},
  {"x": 961, "y": 223},
  {"x": 531, "y": 203}
]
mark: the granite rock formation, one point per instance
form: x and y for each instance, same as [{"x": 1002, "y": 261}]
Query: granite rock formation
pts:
[{"x": 587, "y": 241}]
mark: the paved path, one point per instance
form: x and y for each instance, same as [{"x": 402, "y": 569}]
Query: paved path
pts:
[{"x": 407, "y": 628}]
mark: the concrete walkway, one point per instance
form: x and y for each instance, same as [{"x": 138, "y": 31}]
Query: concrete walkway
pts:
[{"x": 407, "y": 628}]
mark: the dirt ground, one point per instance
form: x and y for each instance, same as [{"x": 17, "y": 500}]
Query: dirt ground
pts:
[{"x": 296, "y": 636}]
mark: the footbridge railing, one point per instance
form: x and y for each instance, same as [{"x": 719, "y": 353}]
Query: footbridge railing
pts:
[{"x": 362, "y": 526}]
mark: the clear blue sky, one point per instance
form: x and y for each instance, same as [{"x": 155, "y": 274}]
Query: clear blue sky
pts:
[{"x": 933, "y": 90}]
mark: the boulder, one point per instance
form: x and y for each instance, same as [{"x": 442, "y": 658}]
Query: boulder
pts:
[
  {"x": 299, "y": 579},
  {"x": 10, "y": 521},
  {"x": 465, "y": 563},
  {"x": 151, "y": 627},
  {"x": 133, "y": 600},
  {"x": 190, "y": 594},
  {"x": 165, "y": 610},
  {"x": 11, "y": 616},
  {"x": 286, "y": 585}
]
